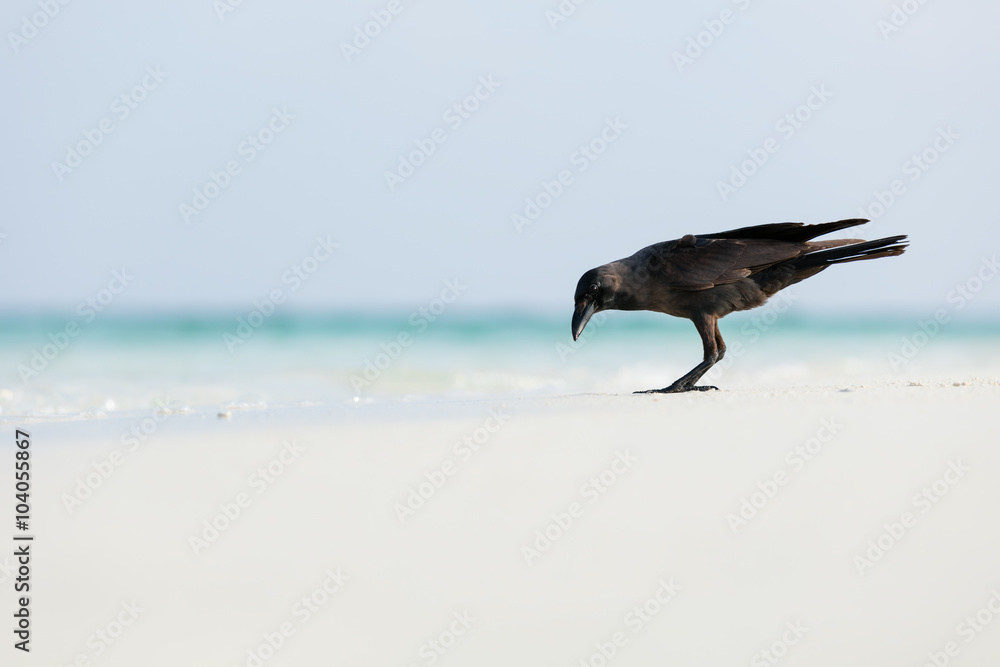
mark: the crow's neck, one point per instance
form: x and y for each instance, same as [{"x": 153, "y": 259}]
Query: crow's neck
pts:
[{"x": 631, "y": 290}]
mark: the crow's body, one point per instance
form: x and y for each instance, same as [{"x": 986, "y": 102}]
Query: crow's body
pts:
[{"x": 707, "y": 276}]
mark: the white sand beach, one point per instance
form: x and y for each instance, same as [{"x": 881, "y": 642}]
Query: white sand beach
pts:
[{"x": 809, "y": 525}]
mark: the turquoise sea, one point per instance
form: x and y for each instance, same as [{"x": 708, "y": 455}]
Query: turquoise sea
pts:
[{"x": 63, "y": 366}]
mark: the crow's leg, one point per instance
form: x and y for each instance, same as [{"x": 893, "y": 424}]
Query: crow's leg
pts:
[
  {"x": 715, "y": 349},
  {"x": 719, "y": 343}
]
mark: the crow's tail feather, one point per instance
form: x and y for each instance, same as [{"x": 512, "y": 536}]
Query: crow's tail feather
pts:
[
  {"x": 781, "y": 275},
  {"x": 887, "y": 247}
]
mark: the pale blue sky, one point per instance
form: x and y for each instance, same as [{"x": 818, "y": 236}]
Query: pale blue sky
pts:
[{"x": 323, "y": 174}]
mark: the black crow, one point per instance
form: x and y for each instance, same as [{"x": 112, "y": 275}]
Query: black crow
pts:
[{"x": 707, "y": 276}]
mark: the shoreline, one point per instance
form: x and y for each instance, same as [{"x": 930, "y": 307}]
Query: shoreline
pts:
[{"x": 402, "y": 407}]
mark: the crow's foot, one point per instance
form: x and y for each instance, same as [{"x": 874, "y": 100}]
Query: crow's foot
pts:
[{"x": 675, "y": 389}]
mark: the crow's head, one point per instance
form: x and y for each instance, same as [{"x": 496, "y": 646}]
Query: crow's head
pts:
[{"x": 595, "y": 292}]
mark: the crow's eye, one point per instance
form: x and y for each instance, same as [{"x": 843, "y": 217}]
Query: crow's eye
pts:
[{"x": 594, "y": 288}]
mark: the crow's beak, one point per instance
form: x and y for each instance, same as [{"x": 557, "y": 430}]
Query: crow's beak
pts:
[{"x": 584, "y": 310}]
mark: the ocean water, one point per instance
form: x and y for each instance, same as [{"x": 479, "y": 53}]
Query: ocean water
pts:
[{"x": 60, "y": 367}]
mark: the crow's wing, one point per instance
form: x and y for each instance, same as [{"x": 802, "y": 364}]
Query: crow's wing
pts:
[{"x": 693, "y": 263}]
